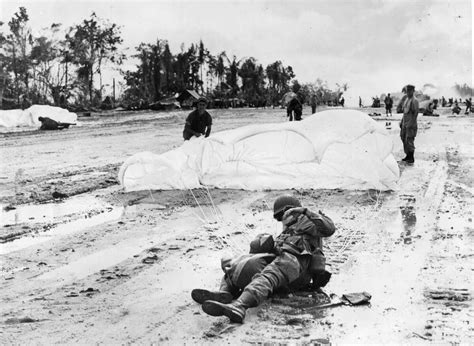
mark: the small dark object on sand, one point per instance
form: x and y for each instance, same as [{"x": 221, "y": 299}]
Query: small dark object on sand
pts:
[{"x": 57, "y": 194}]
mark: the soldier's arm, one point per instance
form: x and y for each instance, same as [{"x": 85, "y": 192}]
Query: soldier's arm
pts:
[
  {"x": 415, "y": 107},
  {"x": 187, "y": 126},
  {"x": 209, "y": 125},
  {"x": 321, "y": 225},
  {"x": 208, "y": 130},
  {"x": 324, "y": 225}
]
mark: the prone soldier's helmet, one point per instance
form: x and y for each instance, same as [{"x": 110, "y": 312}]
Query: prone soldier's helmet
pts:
[{"x": 282, "y": 204}]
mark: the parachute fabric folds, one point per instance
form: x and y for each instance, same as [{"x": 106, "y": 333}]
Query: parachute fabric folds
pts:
[
  {"x": 331, "y": 149},
  {"x": 29, "y": 117}
]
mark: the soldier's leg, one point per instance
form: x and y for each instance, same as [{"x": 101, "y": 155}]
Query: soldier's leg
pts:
[
  {"x": 225, "y": 294},
  {"x": 226, "y": 286},
  {"x": 403, "y": 135},
  {"x": 411, "y": 149},
  {"x": 285, "y": 269}
]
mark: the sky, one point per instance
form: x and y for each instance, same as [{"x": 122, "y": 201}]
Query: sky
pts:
[{"x": 375, "y": 46}]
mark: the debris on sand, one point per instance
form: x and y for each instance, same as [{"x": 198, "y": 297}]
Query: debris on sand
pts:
[
  {"x": 218, "y": 329},
  {"x": 89, "y": 291},
  {"x": 20, "y": 320},
  {"x": 9, "y": 207},
  {"x": 454, "y": 294},
  {"x": 57, "y": 194},
  {"x": 150, "y": 259}
]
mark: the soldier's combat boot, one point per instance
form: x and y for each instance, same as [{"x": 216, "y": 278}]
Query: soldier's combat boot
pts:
[
  {"x": 410, "y": 158},
  {"x": 201, "y": 295},
  {"x": 405, "y": 158},
  {"x": 235, "y": 311}
]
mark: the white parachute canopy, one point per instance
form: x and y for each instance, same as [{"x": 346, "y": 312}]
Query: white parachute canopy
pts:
[
  {"x": 29, "y": 117},
  {"x": 331, "y": 149}
]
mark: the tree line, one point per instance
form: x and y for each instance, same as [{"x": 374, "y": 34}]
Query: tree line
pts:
[{"x": 64, "y": 66}]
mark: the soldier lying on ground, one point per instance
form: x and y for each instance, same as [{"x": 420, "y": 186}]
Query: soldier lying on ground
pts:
[
  {"x": 298, "y": 260},
  {"x": 50, "y": 124}
]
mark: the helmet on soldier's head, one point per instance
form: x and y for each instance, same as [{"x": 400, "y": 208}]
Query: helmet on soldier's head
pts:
[{"x": 283, "y": 203}]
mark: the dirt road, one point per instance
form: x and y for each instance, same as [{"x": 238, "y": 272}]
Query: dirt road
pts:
[{"x": 102, "y": 266}]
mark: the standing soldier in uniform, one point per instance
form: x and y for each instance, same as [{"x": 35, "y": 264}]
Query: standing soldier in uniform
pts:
[
  {"x": 408, "y": 125},
  {"x": 388, "y": 105},
  {"x": 299, "y": 255},
  {"x": 468, "y": 105},
  {"x": 198, "y": 122},
  {"x": 314, "y": 102}
]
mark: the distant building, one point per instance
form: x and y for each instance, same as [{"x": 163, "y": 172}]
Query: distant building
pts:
[{"x": 188, "y": 98}]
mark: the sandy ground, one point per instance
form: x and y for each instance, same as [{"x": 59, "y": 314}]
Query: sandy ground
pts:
[{"x": 103, "y": 266}]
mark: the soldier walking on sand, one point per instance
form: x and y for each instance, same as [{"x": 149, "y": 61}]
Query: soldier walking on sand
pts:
[
  {"x": 299, "y": 255},
  {"x": 198, "y": 122},
  {"x": 409, "y": 125}
]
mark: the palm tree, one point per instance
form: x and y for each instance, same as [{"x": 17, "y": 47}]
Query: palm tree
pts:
[
  {"x": 232, "y": 74},
  {"x": 221, "y": 68}
]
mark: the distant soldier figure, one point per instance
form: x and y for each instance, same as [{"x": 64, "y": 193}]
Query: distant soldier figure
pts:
[
  {"x": 375, "y": 102},
  {"x": 468, "y": 105},
  {"x": 409, "y": 125},
  {"x": 342, "y": 101},
  {"x": 360, "y": 102},
  {"x": 456, "y": 109},
  {"x": 429, "y": 110},
  {"x": 299, "y": 256},
  {"x": 50, "y": 124},
  {"x": 314, "y": 102},
  {"x": 294, "y": 106},
  {"x": 25, "y": 102},
  {"x": 443, "y": 102},
  {"x": 388, "y": 105},
  {"x": 198, "y": 122}
]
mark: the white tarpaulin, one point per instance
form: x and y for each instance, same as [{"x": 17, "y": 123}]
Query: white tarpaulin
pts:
[
  {"x": 29, "y": 117},
  {"x": 331, "y": 149}
]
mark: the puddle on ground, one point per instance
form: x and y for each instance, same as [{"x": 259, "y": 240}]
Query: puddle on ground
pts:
[
  {"x": 48, "y": 212},
  {"x": 403, "y": 226},
  {"x": 117, "y": 253},
  {"x": 300, "y": 303},
  {"x": 409, "y": 223},
  {"x": 105, "y": 258}
]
